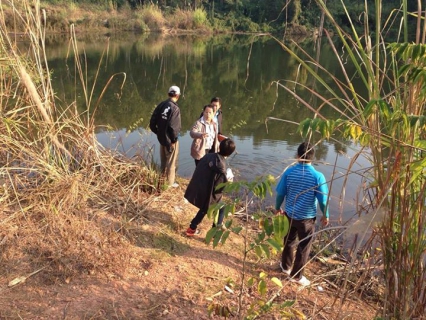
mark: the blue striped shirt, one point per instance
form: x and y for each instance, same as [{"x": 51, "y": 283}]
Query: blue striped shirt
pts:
[{"x": 303, "y": 188}]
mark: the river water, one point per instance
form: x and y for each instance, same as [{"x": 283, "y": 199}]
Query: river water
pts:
[{"x": 133, "y": 72}]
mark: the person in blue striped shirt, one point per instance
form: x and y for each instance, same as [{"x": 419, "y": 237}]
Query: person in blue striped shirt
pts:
[{"x": 303, "y": 189}]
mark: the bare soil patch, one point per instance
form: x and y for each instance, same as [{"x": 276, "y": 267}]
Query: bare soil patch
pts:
[{"x": 162, "y": 275}]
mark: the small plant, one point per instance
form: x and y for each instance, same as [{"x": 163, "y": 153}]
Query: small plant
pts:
[{"x": 265, "y": 243}]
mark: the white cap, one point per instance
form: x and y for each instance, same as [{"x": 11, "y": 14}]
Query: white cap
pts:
[{"x": 174, "y": 89}]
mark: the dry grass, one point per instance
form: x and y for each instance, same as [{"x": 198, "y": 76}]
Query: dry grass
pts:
[
  {"x": 60, "y": 188},
  {"x": 152, "y": 16}
]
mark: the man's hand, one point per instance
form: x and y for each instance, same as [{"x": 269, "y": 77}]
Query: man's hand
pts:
[
  {"x": 279, "y": 211},
  {"x": 324, "y": 221}
]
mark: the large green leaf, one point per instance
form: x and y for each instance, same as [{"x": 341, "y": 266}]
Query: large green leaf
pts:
[
  {"x": 275, "y": 244},
  {"x": 210, "y": 234},
  {"x": 281, "y": 227},
  {"x": 261, "y": 287}
]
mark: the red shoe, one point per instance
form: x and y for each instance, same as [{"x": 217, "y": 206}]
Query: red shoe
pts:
[{"x": 190, "y": 232}]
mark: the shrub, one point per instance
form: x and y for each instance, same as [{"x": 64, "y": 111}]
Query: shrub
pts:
[
  {"x": 182, "y": 19},
  {"x": 242, "y": 23},
  {"x": 152, "y": 17},
  {"x": 200, "y": 18}
]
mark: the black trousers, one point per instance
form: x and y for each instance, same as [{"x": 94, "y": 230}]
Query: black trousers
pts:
[
  {"x": 200, "y": 216},
  {"x": 295, "y": 258}
]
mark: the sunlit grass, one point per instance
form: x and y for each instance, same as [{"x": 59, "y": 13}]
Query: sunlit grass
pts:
[{"x": 64, "y": 198}]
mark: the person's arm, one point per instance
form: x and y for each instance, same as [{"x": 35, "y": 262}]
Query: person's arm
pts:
[
  {"x": 324, "y": 209},
  {"x": 153, "y": 120},
  {"x": 196, "y": 130},
  {"x": 219, "y": 122},
  {"x": 278, "y": 202},
  {"x": 174, "y": 124},
  {"x": 281, "y": 194},
  {"x": 322, "y": 196}
]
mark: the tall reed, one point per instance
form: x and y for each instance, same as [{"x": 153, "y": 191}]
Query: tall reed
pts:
[
  {"x": 59, "y": 187},
  {"x": 389, "y": 123}
]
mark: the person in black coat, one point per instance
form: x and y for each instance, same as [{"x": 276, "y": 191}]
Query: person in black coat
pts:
[
  {"x": 165, "y": 122},
  {"x": 201, "y": 190}
]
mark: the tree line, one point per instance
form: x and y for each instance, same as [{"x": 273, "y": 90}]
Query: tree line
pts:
[{"x": 271, "y": 15}]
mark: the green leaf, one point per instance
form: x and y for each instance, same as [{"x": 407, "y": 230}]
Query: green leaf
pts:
[
  {"x": 250, "y": 282},
  {"x": 228, "y": 224},
  {"x": 263, "y": 275},
  {"x": 275, "y": 244},
  {"x": 210, "y": 234},
  {"x": 261, "y": 287},
  {"x": 416, "y": 51},
  {"x": 217, "y": 237},
  {"x": 266, "y": 250},
  {"x": 225, "y": 236},
  {"x": 385, "y": 109},
  {"x": 237, "y": 230},
  {"x": 322, "y": 126},
  {"x": 305, "y": 127},
  {"x": 315, "y": 123},
  {"x": 404, "y": 69},
  {"x": 261, "y": 236},
  {"x": 258, "y": 251},
  {"x": 277, "y": 282},
  {"x": 268, "y": 227},
  {"x": 213, "y": 210},
  {"x": 287, "y": 304},
  {"x": 370, "y": 108},
  {"x": 281, "y": 227}
]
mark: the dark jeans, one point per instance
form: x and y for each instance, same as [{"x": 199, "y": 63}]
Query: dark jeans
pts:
[
  {"x": 299, "y": 229},
  {"x": 200, "y": 216}
]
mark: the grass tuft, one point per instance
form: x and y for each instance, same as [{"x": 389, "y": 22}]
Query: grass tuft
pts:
[{"x": 65, "y": 201}]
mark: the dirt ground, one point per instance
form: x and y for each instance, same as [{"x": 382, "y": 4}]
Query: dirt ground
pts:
[{"x": 167, "y": 275}]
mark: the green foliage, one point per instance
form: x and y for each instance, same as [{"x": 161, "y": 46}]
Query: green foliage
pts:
[
  {"x": 237, "y": 22},
  {"x": 264, "y": 306},
  {"x": 200, "y": 18},
  {"x": 254, "y": 16}
]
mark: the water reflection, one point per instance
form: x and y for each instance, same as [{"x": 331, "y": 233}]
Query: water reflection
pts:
[{"x": 242, "y": 70}]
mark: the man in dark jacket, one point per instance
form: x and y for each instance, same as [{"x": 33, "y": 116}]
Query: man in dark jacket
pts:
[
  {"x": 216, "y": 102},
  {"x": 166, "y": 124},
  {"x": 201, "y": 190}
]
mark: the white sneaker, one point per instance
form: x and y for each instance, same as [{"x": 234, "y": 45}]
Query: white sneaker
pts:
[
  {"x": 302, "y": 281},
  {"x": 287, "y": 272}
]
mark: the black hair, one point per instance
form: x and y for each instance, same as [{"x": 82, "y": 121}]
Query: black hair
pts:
[
  {"x": 216, "y": 99},
  {"x": 173, "y": 94},
  {"x": 226, "y": 147},
  {"x": 306, "y": 151},
  {"x": 208, "y": 106}
]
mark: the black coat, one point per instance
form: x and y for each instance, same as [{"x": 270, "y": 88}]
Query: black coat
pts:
[
  {"x": 165, "y": 122},
  {"x": 210, "y": 172}
]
